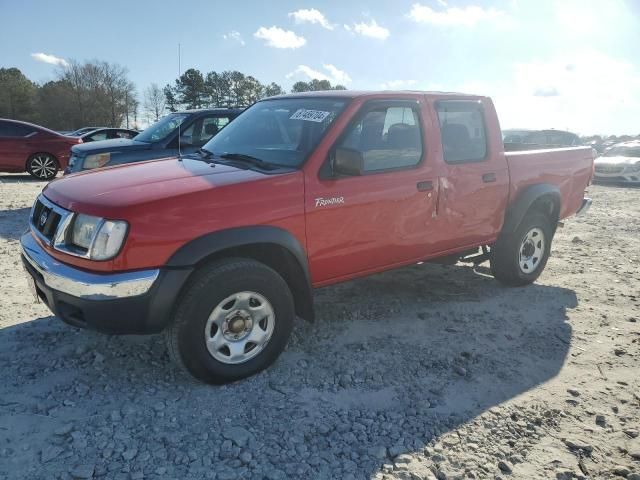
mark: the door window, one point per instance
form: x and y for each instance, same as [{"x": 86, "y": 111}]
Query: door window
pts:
[
  {"x": 388, "y": 137},
  {"x": 8, "y": 129},
  {"x": 211, "y": 126},
  {"x": 124, "y": 134},
  {"x": 97, "y": 136},
  {"x": 462, "y": 131},
  {"x": 203, "y": 130}
]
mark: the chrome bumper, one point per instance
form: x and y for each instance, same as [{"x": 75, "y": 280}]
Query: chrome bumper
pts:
[{"x": 81, "y": 284}]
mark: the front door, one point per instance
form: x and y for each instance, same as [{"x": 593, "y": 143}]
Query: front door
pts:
[{"x": 362, "y": 223}]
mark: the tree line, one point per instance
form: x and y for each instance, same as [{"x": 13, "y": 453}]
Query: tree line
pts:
[
  {"x": 193, "y": 89},
  {"x": 100, "y": 93},
  {"x": 89, "y": 93}
]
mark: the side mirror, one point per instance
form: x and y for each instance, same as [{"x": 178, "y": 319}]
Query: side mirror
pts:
[{"x": 348, "y": 162}]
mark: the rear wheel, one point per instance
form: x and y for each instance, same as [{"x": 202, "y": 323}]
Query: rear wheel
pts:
[
  {"x": 233, "y": 320},
  {"x": 519, "y": 258},
  {"x": 42, "y": 166}
]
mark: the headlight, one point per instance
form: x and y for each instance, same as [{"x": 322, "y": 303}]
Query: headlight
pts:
[
  {"x": 84, "y": 229},
  {"x": 633, "y": 168},
  {"x": 100, "y": 238},
  {"x": 109, "y": 240},
  {"x": 96, "y": 161}
]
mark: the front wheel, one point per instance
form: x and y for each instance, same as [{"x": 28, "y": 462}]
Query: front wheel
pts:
[
  {"x": 232, "y": 321},
  {"x": 42, "y": 166},
  {"x": 519, "y": 258}
]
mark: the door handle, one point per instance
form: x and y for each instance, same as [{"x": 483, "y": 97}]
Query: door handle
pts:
[
  {"x": 425, "y": 186},
  {"x": 489, "y": 177}
]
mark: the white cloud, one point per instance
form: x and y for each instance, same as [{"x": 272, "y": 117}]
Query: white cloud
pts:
[
  {"x": 398, "y": 84},
  {"x": 50, "y": 59},
  {"x": 311, "y": 15},
  {"x": 235, "y": 36},
  {"x": 334, "y": 75},
  {"x": 339, "y": 76},
  {"x": 371, "y": 29},
  {"x": 459, "y": 16},
  {"x": 279, "y": 38}
]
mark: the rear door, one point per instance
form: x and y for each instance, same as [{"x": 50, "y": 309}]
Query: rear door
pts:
[
  {"x": 366, "y": 222},
  {"x": 474, "y": 179}
]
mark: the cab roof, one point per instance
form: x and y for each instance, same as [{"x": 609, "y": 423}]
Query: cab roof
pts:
[{"x": 351, "y": 94}]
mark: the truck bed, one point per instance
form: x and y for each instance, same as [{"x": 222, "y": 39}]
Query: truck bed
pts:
[{"x": 570, "y": 169}]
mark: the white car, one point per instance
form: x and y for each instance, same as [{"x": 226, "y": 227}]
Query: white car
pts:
[{"x": 619, "y": 164}]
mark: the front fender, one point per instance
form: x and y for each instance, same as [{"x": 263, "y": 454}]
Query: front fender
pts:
[{"x": 295, "y": 272}]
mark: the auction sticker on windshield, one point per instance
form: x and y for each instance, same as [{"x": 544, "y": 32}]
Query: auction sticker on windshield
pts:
[{"x": 309, "y": 115}]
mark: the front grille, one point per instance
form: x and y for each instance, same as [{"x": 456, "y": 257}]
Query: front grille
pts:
[
  {"x": 609, "y": 168},
  {"x": 45, "y": 219}
]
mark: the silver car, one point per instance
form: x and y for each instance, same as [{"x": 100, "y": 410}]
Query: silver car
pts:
[{"x": 619, "y": 164}]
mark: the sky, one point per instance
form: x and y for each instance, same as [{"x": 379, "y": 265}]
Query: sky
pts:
[{"x": 566, "y": 64}]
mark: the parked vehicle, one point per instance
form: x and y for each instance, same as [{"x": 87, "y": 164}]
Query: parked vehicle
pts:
[
  {"x": 25, "y": 147},
  {"x": 81, "y": 131},
  {"x": 222, "y": 249},
  {"x": 108, "y": 134},
  {"x": 515, "y": 140},
  {"x": 619, "y": 164},
  {"x": 195, "y": 128}
]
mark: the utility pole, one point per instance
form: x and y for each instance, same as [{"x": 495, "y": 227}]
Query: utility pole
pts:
[{"x": 126, "y": 106}]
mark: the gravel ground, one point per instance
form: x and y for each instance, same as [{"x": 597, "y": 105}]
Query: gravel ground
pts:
[{"x": 429, "y": 372}]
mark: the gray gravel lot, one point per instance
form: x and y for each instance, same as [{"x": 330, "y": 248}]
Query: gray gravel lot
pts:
[{"x": 422, "y": 373}]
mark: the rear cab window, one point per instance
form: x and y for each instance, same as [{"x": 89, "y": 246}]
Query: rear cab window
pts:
[{"x": 462, "y": 131}]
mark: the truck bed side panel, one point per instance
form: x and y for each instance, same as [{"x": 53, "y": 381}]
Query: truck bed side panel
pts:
[{"x": 569, "y": 169}]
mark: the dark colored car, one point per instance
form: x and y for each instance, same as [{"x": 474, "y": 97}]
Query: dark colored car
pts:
[
  {"x": 108, "y": 134},
  {"x": 82, "y": 131},
  {"x": 194, "y": 128},
  {"x": 34, "y": 149}
]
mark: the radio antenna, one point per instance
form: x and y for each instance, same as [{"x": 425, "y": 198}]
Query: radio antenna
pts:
[{"x": 179, "y": 124}]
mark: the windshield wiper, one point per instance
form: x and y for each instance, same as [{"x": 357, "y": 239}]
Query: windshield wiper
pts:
[
  {"x": 204, "y": 153},
  {"x": 248, "y": 159}
]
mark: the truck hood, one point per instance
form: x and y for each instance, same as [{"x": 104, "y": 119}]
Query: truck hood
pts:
[
  {"x": 104, "y": 192},
  {"x": 620, "y": 160},
  {"x": 115, "y": 145}
]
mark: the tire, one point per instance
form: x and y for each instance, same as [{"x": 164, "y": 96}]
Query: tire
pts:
[
  {"x": 222, "y": 309},
  {"x": 42, "y": 166},
  {"x": 519, "y": 258}
]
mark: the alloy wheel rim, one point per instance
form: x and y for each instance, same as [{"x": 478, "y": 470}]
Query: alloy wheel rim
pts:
[
  {"x": 531, "y": 250},
  {"x": 239, "y": 327},
  {"x": 43, "y": 166}
]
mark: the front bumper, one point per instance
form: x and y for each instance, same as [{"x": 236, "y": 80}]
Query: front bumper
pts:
[
  {"x": 119, "y": 303},
  {"x": 617, "y": 178}
]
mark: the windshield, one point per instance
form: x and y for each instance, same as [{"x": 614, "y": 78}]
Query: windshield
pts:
[
  {"x": 623, "y": 152},
  {"x": 162, "y": 128},
  {"x": 281, "y": 132}
]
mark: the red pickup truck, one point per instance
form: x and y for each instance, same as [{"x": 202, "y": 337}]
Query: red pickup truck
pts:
[{"x": 222, "y": 249}]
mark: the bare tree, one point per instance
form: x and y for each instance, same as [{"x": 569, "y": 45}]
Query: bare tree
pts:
[
  {"x": 102, "y": 93},
  {"x": 154, "y": 102}
]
